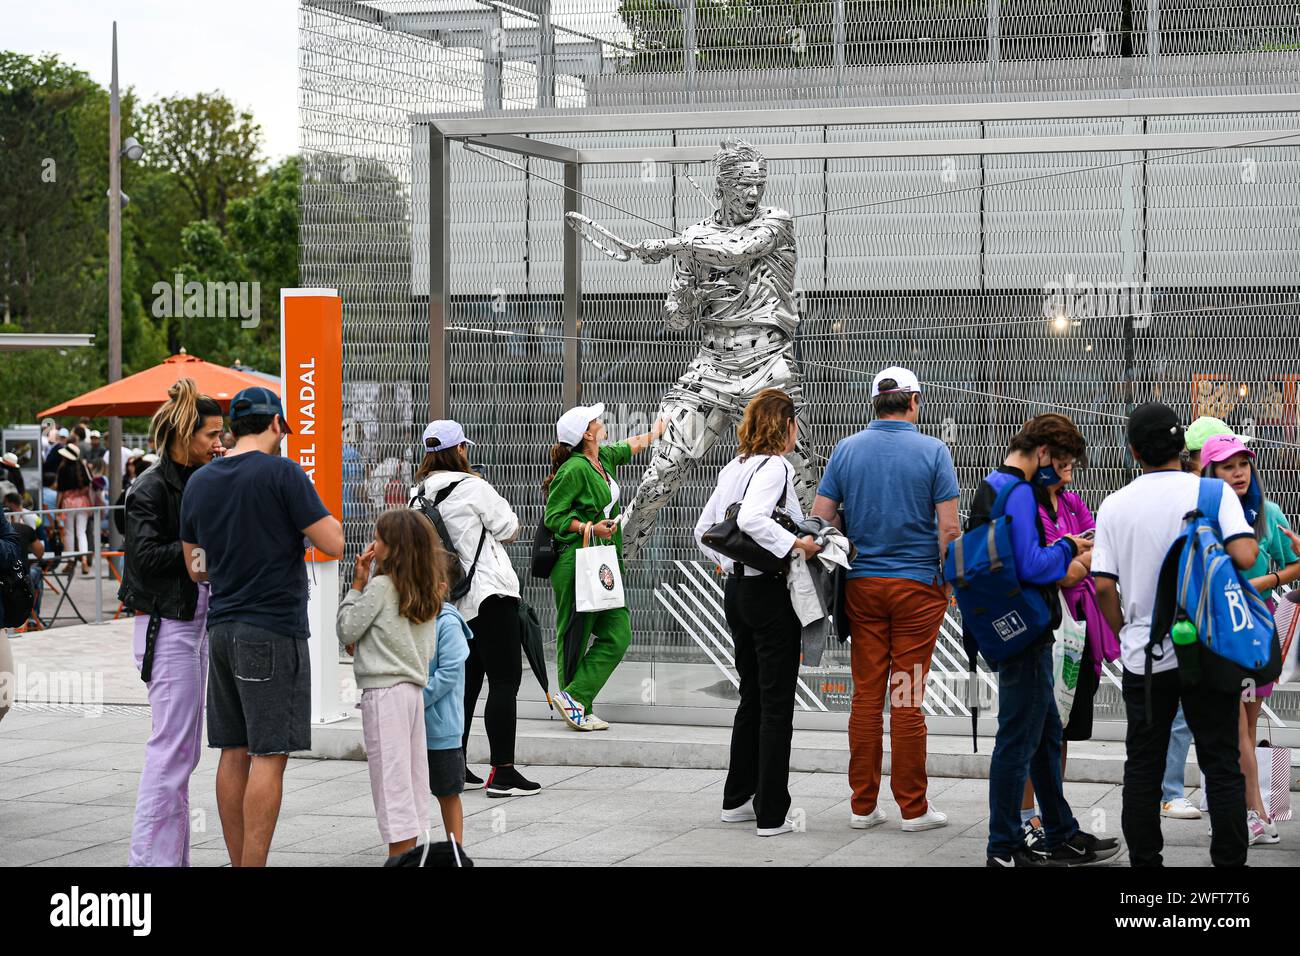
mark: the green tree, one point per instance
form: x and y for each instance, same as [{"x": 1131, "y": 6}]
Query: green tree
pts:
[
  {"x": 260, "y": 246},
  {"x": 201, "y": 153},
  {"x": 198, "y": 201},
  {"x": 210, "y": 148}
]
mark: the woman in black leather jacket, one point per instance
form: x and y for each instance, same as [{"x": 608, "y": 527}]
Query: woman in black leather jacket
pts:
[{"x": 171, "y": 637}]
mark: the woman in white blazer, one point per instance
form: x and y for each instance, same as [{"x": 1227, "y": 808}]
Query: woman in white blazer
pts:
[{"x": 759, "y": 614}]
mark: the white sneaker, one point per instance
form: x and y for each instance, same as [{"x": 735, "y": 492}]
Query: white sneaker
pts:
[
  {"x": 596, "y": 723},
  {"x": 1254, "y": 828},
  {"x": 932, "y": 819},
  {"x": 787, "y": 826},
  {"x": 741, "y": 814},
  {"x": 1259, "y": 831},
  {"x": 872, "y": 819},
  {"x": 1180, "y": 809},
  {"x": 571, "y": 711}
]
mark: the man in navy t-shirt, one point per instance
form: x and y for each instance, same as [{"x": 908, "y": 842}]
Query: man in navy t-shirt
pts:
[{"x": 243, "y": 521}]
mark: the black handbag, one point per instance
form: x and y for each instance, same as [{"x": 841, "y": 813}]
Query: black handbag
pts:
[
  {"x": 545, "y": 552},
  {"x": 727, "y": 539}
]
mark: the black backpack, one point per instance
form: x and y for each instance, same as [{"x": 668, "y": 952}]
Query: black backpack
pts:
[
  {"x": 449, "y": 853},
  {"x": 16, "y": 595},
  {"x": 430, "y": 510}
]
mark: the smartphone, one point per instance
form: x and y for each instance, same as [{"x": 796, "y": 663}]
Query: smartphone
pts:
[{"x": 1089, "y": 534}]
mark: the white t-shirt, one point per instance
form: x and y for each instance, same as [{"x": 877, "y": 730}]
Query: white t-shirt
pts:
[
  {"x": 473, "y": 506},
  {"x": 1135, "y": 528}
]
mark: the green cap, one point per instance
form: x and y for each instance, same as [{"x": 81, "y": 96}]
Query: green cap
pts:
[{"x": 1203, "y": 429}]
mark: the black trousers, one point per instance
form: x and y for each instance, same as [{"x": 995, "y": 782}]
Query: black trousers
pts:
[
  {"x": 767, "y": 635},
  {"x": 495, "y": 652},
  {"x": 1212, "y": 718}
]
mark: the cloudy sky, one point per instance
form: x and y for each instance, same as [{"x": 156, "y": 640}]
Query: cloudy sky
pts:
[{"x": 247, "y": 49}]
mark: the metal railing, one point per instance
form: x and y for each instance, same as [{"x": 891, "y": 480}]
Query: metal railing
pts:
[{"x": 95, "y": 551}]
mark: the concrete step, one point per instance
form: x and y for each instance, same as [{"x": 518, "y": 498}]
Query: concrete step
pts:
[{"x": 552, "y": 743}]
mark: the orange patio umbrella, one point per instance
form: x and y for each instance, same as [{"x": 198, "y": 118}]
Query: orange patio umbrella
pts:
[{"x": 144, "y": 392}]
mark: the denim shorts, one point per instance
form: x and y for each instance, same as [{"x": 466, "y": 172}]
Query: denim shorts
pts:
[
  {"x": 446, "y": 772},
  {"x": 259, "y": 690}
]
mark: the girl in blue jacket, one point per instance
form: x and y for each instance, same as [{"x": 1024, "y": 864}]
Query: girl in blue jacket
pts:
[{"x": 444, "y": 705}]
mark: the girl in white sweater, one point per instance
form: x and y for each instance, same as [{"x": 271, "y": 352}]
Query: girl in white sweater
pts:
[{"x": 391, "y": 618}]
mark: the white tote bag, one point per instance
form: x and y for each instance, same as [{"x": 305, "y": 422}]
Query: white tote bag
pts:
[
  {"x": 1286, "y": 619},
  {"x": 1274, "y": 767},
  {"x": 597, "y": 584},
  {"x": 1067, "y": 657}
]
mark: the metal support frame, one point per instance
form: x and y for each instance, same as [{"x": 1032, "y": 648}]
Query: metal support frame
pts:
[
  {"x": 723, "y": 116},
  {"x": 942, "y": 147},
  {"x": 690, "y": 43},
  {"x": 545, "y": 57},
  {"x": 572, "y": 289},
  {"x": 507, "y": 133},
  {"x": 439, "y": 271}
]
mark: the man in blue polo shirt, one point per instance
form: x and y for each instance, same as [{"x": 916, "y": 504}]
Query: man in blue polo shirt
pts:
[
  {"x": 899, "y": 492},
  {"x": 244, "y": 518}
]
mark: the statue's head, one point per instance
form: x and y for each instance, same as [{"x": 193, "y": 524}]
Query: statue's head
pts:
[{"x": 740, "y": 179}]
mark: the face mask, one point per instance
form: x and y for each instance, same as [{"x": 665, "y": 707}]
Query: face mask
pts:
[{"x": 1047, "y": 475}]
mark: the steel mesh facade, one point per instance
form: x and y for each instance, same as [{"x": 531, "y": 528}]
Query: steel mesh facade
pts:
[{"x": 978, "y": 289}]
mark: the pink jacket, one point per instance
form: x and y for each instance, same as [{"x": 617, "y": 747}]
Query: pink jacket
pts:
[{"x": 1074, "y": 518}]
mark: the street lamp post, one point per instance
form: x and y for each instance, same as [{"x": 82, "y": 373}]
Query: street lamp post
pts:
[{"x": 114, "y": 291}]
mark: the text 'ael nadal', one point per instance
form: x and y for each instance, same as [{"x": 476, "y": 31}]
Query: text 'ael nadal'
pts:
[{"x": 307, "y": 416}]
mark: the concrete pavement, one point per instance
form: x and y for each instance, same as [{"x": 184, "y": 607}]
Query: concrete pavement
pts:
[{"x": 68, "y": 782}]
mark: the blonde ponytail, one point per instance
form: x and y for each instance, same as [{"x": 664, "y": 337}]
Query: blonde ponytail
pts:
[{"x": 180, "y": 416}]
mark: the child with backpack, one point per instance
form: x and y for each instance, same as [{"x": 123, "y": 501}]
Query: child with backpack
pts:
[
  {"x": 388, "y": 617},
  {"x": 1136, "y": 528},
  {"x": 1226, "y": 457},
  {"x": 444, "y": 697},
  {"x": 1015, "y": 635}
]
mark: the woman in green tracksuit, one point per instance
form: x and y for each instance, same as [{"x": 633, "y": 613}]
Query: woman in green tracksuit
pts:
[{"x": 582, "y": 496}]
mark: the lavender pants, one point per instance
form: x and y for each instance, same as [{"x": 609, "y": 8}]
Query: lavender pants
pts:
[{"x": 161, "y": 834}]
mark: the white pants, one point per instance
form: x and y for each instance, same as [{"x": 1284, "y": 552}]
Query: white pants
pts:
[
  {"x": 7, "y": 689},
  {"x": 74, "y": 531}
]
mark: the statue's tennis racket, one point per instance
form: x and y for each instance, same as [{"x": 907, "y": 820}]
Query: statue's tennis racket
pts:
[{"x": 600, "y": 237}]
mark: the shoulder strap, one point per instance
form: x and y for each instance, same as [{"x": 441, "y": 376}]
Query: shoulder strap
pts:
[
  {"x": 751, "y": 479},
  {"x": 999, "y": 507},
  {"x": 442, "y": 494},
  {"x": 1208, "y": 498}
]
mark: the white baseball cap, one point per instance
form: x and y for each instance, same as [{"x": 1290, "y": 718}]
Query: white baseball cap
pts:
[
  {"x": 95, "y": 434},
  {"x": 573, "y": 423},
  {"x": 444, "y": 434},
  {"x": 906, "y": 381},
  {"x": 63, "y": 433},
  {"x": 11, "y": 458}
]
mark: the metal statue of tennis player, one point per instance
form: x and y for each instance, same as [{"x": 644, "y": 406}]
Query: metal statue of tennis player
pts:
[{"x": 734, "y": 275}]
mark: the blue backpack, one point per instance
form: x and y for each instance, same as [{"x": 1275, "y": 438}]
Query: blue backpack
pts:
[
  {"x": 1200, "y": 581},
  {"x": 1003, "y": 616}
]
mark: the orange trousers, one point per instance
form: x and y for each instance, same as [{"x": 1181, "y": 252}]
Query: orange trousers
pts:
[{"x": 894, "y": 623}]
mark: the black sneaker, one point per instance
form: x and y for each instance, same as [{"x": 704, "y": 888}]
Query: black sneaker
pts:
[
  {"x": 1084, "y": 849},
  {"x": 1033, "y": 836},
  {"x": 1021, "y": 857},
  {"x": 509, "y": 782},
  {"x": 472, "y": 780}
]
